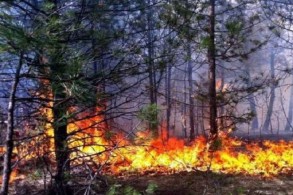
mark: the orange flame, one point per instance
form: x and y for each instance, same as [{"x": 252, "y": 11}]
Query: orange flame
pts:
[
  {"x": 113, "y": 153},
  {"x": 234, "y": 156}
]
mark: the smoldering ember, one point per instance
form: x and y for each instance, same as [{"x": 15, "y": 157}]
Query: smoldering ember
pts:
[{"x": 146, "y": 97}]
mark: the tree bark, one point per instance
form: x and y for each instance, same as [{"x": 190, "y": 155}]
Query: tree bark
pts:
[
  {"x": 150, "y": 61},
  {"x": 59, "y": 109},
  {"x": 184, "y": 129},
  {"x": 9, "y": 144},
  {"x": 191, "y": 101},
  {"x": 222, "y": 122},
  {"x": 152, "y": 74},
  {"x": 59, "y": 120},
  {"x": 168, "y": 100},
  {"x": 211, "y": 55},
  {"x": 61, "y": 146}
]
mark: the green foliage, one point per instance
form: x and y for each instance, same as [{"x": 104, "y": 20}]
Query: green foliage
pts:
[
  {"x": 36, "y": 174},
  {"x": 48, "y": 5},
  {"x": 81, "y": 91},
  {"x": 152, "y": 188},
  {"x": 206, "y": 42},
  {"x": 113, "y": 190},
  {"x": 129, "y": 190},
  {"x": 234, "y": 27},
  {"x": 149, "y": 113},
  {"x": 119, "y": 189},
  {"x": 13, "y": 37}
]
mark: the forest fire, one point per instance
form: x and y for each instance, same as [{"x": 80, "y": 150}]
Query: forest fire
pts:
[
  {"x": 113, "y": 153},
  {"x": 97, "y": 95},
  {"x": 232, "y": 156}
]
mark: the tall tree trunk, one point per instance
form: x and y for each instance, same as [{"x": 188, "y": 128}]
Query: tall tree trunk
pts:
[
  {"x": 9, "y": 144},
  {"x": 191, "y": 101},
  {"x": 151, "y": 66},
  {"x": 184, "y": 109},
  {"x": 60, "y": 141},
  {"x": 211, "y": 55},
  {"x": 168, "y": 99},
  {"x": 203, "y": 111},
  {"x": 222, "y": 122},
  {"x": 60, "y": 122},
  {"x": 288, "y": 126},
  {"x": 60, "y": 131},
  {"x": 272, "y": 93},
  {"x": 152, "y": 73},
  {"x": 189, "y": 74}
]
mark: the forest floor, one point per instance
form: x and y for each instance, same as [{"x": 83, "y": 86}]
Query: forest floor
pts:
[
  {"x": 183, "y": 183},
  {"x": 197, "y": 183}
]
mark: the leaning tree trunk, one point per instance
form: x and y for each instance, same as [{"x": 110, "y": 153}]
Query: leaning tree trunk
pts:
[
  {"x": 211, "y": 56},
  {"x": 272, "y": 93},
  {"x": 9, "y": 144}
]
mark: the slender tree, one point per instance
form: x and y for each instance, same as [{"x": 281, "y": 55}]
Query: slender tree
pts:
[
  {"x": 9, "y": 143},
  {"x": 168, "y": 98},
  {"x": 211, "y": 56},
  {"x": 191, "y": 96}
]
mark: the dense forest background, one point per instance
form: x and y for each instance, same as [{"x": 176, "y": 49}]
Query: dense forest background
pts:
[{"x": 182, "y": 67}]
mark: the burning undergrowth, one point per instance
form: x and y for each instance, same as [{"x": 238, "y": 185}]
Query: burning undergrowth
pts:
[{"x": 95, "y": 148}]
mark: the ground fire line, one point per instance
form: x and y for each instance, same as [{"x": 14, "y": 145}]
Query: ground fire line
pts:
[{"x": 113, "y": 153}]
